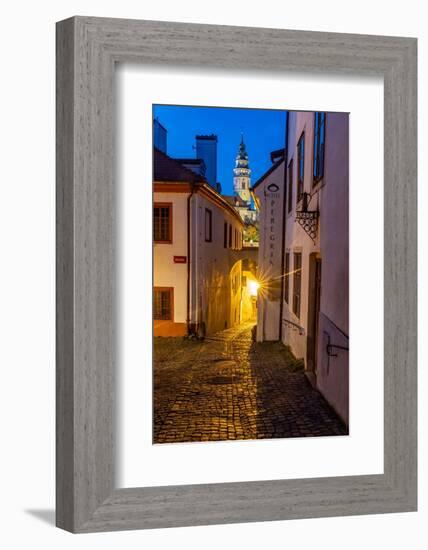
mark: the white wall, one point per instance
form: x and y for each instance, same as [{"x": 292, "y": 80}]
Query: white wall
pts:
[
  {"x": 166, "y": 273},
  {"x": 333, "y": 371},
  {"x": 27, "y": 289},
  {"x": 296, "y": 240},
  {"x": 331, "y": 198},
  {"x": 210, "y": 262},
  {"x": 269, "y": 257},
  {"x": 211, "y": 266}
]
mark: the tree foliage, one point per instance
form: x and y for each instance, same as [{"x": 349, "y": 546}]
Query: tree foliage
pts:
[{"x": 251, "y": 231}]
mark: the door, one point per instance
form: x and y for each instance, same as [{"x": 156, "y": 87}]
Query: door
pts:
[{"x": 313, "y": 314}]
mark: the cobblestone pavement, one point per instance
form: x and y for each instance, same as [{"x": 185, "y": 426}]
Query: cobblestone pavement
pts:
[{"x": 229, "y": 387}]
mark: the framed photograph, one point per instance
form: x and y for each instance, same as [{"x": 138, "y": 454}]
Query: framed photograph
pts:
[
  {"x": 236, "y": 274},
  {"x": 238, "y": 315}
]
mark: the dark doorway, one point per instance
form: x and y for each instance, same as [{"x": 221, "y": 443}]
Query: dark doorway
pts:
[{"x": 313, "y": 314}]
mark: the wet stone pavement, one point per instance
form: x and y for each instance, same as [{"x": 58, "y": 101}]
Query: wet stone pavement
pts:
[{"x": 229, "y": 387}]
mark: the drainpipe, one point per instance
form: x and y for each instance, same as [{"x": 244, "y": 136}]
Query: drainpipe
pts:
[
  {"x": 284, "y": 202},
  {"x": 192, "y": 192}
]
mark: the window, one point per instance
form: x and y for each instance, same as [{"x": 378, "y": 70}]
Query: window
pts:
[
  {"x": 290, "y": 186},
  {"x": 208, "y": 225},
  {"x": 297, "y": 282},
  {"x": 230, "y": 236},
  {"x": 162, "y": 304},
  {"x": 319, "y": 146},
  {"x": 162, "y": 222},
  {"x": 287, "y": 277},
  {"x": 225, "y": 235},
  {"x": 300, "y": 166}
]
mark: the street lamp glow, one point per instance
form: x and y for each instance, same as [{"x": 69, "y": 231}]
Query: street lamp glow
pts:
[{"x": 253, "y": 287}]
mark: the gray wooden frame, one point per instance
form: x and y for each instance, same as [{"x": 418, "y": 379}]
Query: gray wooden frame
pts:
[{"x": 87, "y": 50}]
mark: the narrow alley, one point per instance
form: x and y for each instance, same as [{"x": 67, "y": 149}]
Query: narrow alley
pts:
[{"x": 229, "y": 387}]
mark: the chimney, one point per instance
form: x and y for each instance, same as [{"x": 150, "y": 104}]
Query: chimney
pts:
[{"x": 206, "y": 149}]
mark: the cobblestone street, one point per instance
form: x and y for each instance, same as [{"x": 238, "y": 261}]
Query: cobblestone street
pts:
[{"x": 229, "y": 387}]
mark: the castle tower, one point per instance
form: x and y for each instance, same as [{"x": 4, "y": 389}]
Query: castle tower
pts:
[{"x": 242, "y": 174}]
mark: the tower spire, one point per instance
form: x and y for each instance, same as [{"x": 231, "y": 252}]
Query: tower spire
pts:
[{"x": 242, "y": 173}]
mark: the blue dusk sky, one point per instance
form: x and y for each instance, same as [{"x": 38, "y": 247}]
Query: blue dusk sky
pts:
[{"x": 264, "y": 131}]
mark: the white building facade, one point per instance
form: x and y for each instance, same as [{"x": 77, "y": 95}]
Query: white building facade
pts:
[
  {"x": 197, "y": 275},
  {"x": 268, "y": 192},
  {"x": 314, "y": 307}
]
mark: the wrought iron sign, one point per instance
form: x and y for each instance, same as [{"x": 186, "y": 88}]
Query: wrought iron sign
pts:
[{"x": 308, "y": 219}]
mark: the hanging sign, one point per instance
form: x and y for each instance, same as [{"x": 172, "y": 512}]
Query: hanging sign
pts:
[{"x": 180, "y": 259}]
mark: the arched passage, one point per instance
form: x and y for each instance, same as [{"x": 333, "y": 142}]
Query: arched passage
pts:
[{"x": 243, "y": 286}]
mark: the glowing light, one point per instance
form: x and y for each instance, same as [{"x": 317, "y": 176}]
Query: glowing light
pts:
[{"x": 253, "y": 287}]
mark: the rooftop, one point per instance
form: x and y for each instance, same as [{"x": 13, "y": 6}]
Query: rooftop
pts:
[
  {"x": 190, "y": 161},
  {"x": 278, "y": 154},
  {"x": 279, "y": 160},
  {"x": 235, "y": 200},
  {"x": 166, "y": 168},
  {"x": 211, "y": 137}
]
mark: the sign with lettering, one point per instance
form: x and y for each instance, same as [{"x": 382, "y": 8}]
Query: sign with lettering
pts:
[
  {"x": 180, "y": 259},
  {"x": 272, "y": 229},
  {"x": 273, "y": 188}
]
